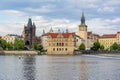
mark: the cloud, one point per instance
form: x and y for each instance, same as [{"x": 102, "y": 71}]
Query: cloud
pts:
[
  {"x": 103, "y": 26},
  {"x": 13, "y": 12},
  {"x": 106, "y": 9},
  {"x": 41, "y": 9}
]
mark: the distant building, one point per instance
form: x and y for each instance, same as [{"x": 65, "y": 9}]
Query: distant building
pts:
[
  {"x": 118, "y": 37},
  {"x": 107, "y": 40},
  {"x": 82, "y": 30},
  {"x": 78, "y": 41},
  {"x": 59, "y": 43},
  {"x": 29, "y": 32},
  {"x": 91, "y": 39},
  {"x": 88, "y": 37},
  {"x": 10, "y": 38}
]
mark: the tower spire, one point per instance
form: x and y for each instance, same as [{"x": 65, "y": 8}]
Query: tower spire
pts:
[
  {"x": 82, "y": 19},
  {"x": 29, "y": 22}
]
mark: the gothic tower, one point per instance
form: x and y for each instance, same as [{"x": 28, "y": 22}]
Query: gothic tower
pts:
[
  {"x": 82, "y": 29},
  {"x": 30, "y": 31}
]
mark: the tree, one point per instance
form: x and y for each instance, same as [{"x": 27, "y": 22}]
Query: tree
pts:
[
  {"x": 82, "y": 46},
  {"x": 9, "y": 46},
  {"x": 115, "y": 46},
  {"x": 3, "y": 44},
  {"x": 96, "y": 46},
  {"x": 101, "y": 47},
  {"x": 18, "y": 44},
  {"x": 38, "y": 47}
]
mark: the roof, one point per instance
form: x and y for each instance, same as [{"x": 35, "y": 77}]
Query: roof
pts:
[
  {"x": 89, "y": 33},
  {"x": 54, "y": 35},
  {"x": 78, "y": 37},
  {"x": 108, "y": 36},
  {"x": 118, "y": 32}
]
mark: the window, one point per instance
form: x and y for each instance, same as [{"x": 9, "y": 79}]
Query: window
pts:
[
  {"x": 62, "y": 44},
  {"x": 66, "y": 49},
  {"x": 57, "y": 44},
  {"x": 53, "y": 49}
]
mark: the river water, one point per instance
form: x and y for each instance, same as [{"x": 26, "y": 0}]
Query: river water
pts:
[{"x": 82, "y": 67}]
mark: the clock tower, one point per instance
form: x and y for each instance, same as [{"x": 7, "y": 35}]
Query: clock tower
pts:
[{"x": 82, "y": 29}]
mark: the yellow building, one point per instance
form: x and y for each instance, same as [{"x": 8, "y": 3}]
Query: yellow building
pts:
[
  {"x": 60, "y": 43},
  {"x": 107, "y": 40},
  {"x": 10, "y": 38}
]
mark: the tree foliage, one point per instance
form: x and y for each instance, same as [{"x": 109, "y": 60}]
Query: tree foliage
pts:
[
  {"x": 96, "y": 46},
  {"x": 38, "y": 47},
  {"x": 18, "y": 44},
  {"x": 115, "y": 46},
  {"x": 82, "y": 46}
]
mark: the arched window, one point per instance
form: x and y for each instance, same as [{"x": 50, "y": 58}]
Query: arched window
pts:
[
  {"x": 53, "y": 49},
  {"x": 66, "y": 49}
]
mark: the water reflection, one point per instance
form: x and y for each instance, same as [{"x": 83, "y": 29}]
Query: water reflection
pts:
[
  {"x": 83, "y": 70},
  {"x": 59, "y": 68},
  {"x": 29, "y": 70}
]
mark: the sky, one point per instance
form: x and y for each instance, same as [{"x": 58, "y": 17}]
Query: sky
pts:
[{"x": 102, "y": 16}]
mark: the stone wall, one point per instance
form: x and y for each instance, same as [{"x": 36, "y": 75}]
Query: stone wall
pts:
[{"x": 19, "y": 52}]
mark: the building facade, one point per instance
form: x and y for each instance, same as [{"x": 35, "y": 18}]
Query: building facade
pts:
[
  {"x": 59, "y": 43},
  {"x": 10, "y": 38},
  {"x": 107, "y": 40},
  {"x": 29, "y": 31}
]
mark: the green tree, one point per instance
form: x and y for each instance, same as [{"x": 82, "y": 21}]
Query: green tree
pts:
[
  {"x": 101, "y": 47},
  {"x": 38, "y": 47},
  {"x": 3, "y": 44},
  {"x": 82, "y": 46},
  {"x": 9, "y": 46},
  {"x": 96, "y": 46},
  {"x": 18, "y": 44},
  {"x": 115, "y": 46}
]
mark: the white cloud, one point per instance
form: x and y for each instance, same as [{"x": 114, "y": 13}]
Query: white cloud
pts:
[
  {"x": 42, "y": 9},
  {"x": 13, "y": 12},
  {"x": 103, "y": 26},
  {"x": 106, "y": 9}
]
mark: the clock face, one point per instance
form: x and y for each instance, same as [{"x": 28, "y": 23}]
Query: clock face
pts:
[{"x": 82, "y": 28}]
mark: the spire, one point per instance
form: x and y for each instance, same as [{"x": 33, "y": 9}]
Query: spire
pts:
[
  {"x": 51, "y": 30},
  {"x": 34, "y": 25},
  {"x": 82, "y": 19},
  {"x": 59, "y": 30},
  {"x": 29, "y": 22},
  {"x": 43, "y": 31},
  {"x": 66, "y": 30}
]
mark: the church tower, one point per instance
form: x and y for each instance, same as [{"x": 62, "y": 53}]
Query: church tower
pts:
[
  {"x": 30, "y": 31},
  {"x": 82, "y": 29}
]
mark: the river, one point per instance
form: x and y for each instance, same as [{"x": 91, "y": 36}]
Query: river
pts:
[{"x": 82, "y": 67}]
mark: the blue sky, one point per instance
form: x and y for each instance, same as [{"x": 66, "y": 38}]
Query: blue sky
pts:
[{"x": 102, "y": 16}]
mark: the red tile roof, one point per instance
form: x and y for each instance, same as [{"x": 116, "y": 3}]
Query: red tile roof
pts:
[
  {"x": 65, "y": 35},
  {"x": 118, "y": 32},
  {"x": 108, "y": 36}
]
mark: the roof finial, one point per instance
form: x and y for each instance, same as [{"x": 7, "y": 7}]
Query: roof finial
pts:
[
  {"x": 51, "y": 30},
  {"x": 82, "y": 19}
]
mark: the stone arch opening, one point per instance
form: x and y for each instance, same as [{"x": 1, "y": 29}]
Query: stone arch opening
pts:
[{"x": 27, "y": 43}]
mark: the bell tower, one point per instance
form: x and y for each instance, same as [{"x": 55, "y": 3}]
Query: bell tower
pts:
[{"x": 82, "y": 29}]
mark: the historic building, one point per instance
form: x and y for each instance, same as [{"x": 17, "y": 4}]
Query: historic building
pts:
[
  {"x": 82, "y": 30},
  {"x": 118, "y": 37},
  {"x": 107, "y": 40},
  {"x": 78, "y": 41},
  {"x": 29, "y": 34},
  {"x": 59, "y": 43},
  {"x": 91, "y": 39},
  {"x": 88, "y": 37},
  {"x": 10, "y": 38}
]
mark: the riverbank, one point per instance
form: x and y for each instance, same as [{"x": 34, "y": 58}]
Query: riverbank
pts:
[{"x": 18, "y": 52}]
